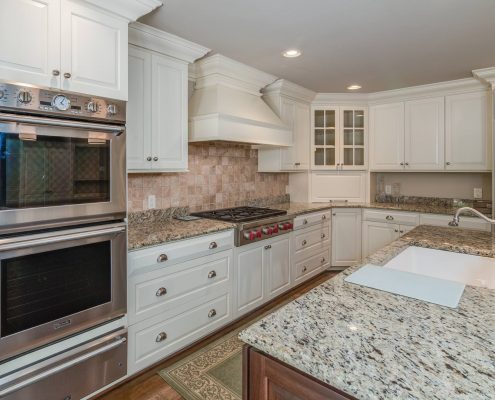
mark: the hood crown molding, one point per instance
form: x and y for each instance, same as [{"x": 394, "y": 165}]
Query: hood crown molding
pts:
[
  {"x": 130, "y": 10},
  {"x": 286, "y": 88},
  {"x": 154, "y": 39},
  {"x": 486, "y": 75}
]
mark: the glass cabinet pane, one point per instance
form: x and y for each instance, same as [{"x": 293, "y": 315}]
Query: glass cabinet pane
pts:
[
  {"x": 358, "y": 156},
  {"x": 348, "y": 156},
  {"x": 359, "y": 137},
  {"x": 319, "y": 157},
  {"x": 348, "y": 118},
  {"x": 330, "y": 137},
  {"x": 319, "y": 137},
  {"x": 319, "y": 118},
  {"x": 330, "y": 157},
  {"x": 359, "y": 119},
  {"x": 348, "y": 137},
  {"x": 330, "y": 118}
]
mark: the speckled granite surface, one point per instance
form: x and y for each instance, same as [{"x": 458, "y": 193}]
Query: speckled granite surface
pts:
[{"x": 377, "y": 345}]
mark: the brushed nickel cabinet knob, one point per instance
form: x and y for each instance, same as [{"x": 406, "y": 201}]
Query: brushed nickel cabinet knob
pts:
[
  {"x": 67, "y": 75},
  {"x": 161, "y": 292},
  {"x": 161, "y": 337}
]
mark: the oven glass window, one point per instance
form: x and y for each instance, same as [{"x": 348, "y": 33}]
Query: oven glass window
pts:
[
  {"x": 40, "y": 171},
  {"x": 43, "y": 287}
]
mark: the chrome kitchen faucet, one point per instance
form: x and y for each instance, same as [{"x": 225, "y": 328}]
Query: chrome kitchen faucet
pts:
[{"x": 455, "y": 220}]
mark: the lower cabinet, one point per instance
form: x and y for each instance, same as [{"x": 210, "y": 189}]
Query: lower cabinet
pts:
[
  {"x": 377, "y": 235},
  {"x": 346, "y": 236}
]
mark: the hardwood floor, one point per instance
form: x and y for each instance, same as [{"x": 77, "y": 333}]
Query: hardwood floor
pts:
[{"x": 149, "y": 386}]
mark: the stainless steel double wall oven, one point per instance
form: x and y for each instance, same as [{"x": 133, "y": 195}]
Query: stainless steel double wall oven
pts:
[{"x": 62, "y": 210}]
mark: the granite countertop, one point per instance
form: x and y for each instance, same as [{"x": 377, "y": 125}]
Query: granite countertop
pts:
[{"x": 376, "y": 345}]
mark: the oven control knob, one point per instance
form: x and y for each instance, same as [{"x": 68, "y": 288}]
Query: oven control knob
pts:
[
  {"x": 267, "y": 230},
  {"x": 24, "y": 97},
  {"x": 290, "y": 225},
  {"x": 92, "y": 107},
  {"x": 112, "y": 109},
  {"x": 259, "y": 233},
  {"x": 250, "y": 235},
  {"x": 281, "y": 227},
  {"x": 275, "y": 229}
]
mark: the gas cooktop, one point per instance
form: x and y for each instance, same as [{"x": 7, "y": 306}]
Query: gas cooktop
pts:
[{"x": 240, "y": 214}]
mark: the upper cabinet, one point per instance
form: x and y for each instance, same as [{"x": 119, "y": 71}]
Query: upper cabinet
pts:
[
  {"x": 292, "y": 104},
  {"x": 157, "y": 139},
  {"x": 339, "y": 138},
  {"x": 64, "y": 44},
  {"x": 431, "y": 134},
  {"x": 467, "y": 139}
]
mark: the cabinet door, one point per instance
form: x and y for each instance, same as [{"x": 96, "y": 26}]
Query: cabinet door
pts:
[
  {"x": 467, "y": 144},
  {"x": 377, "y": 235},
  {"x": 387, "y": 137},
  {"x": 139, "y": 110},
  {"x": 424, "y": 134},
  {"x": 30, "y": 44},
  {"x": 277, "y": 262},
  {"x": 93, "y": 51},
  {"x": 353, "y": 139},
  {"x": 346, "y": 185},
  {"x": 287, "y": 115},
  {"x": 249, "y": 279},
  {"x": 325, "y": 138},
  {"x": 299, "y": 152},
  {"x": 169, "y": 114},
  {"x": 346, "y": 237}
]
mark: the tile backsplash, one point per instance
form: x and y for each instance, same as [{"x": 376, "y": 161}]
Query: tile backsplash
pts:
[{"x": 220, "y": 175}]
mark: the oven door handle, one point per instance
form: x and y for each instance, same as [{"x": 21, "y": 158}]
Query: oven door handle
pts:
[
  {"x": 36, "y": 240},
  {"x": 61, "y": 367},
  {"x": 23, "y": 119}
]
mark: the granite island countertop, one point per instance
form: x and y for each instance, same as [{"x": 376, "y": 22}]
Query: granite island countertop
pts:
[{"x": 377, "y": 345}]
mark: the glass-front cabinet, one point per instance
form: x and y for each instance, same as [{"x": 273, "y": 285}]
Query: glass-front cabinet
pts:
[{"x": 339, "y": 138}]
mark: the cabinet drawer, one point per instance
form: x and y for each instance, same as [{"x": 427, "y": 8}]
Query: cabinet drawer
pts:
[
  {"x": 464, "y": 222},
  {"x": 309, "y": 237},
  {"x": 166, "y": 290},
  {"x": 306, "y": 220},
  {"x": 318, "y": 261},
  {"x": 393, "y": 217},
  {"x": 155, "y": 338},
  {"x": 172, "y": 253}
]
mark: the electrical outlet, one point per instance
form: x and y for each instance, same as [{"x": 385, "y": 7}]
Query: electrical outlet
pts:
[
  {"x": 151, "y": 201},
  {"x": 478, "y": 193},
  {"x": 287, "y": 189},
  {"x": 388, "y": 189}
]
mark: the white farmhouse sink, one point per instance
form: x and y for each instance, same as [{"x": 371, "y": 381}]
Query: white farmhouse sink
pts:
[{"x": 457, "y": 267}]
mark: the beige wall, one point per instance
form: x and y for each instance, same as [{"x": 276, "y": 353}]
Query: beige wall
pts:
[
  {"x": 428, "y": 184},
  {"x": 220, "y": 175}
]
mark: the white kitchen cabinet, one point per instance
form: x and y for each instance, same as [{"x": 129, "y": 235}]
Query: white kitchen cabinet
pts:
[
  {"x": 468, "y": 144},
  {"x": 338, "y": 186},
  {"x": 277, "y": 263},
  {"x": 387, "y": 136},
  {"x": 157, "y": 112},
  {"x": 64, "y": 44},
  {"x": 346, "y": 236},
  {"x": 339, "y": 138},
  {"x": 424, "y": 134},
  {"x": 377, "y": 235},
  {"x": 32, "y": 54}
]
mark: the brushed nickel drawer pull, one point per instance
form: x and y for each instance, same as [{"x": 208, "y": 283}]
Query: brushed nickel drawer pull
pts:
[
  {"x": 323, "y": 216},
  {"x": 304, "y": 243},
  {"x": 297, "y": 164},
  {"x": 212, "y": 274},
  {"x": 304, "y": 269},
  {"x": 323, "y": 260},
  {"x": 162, "y": 258},
  {"x": 323, "y": 236},
  {"x": 161, "y": 337},
  {"x": 448, "y": 163},
  {"x": 305, "y": 222},
  {"x": 212, "y": 313},
  {"x": 268, "y": 247},
  {"x": 161, "y": 292},
  {"x": 396, "y": 230},
  {"x": 389, "y": 218},
  {"x": 213, "y": 245}
]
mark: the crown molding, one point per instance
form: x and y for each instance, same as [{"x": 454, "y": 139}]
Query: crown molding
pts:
[
  {"x": 341, "y": 99},
  {"x": 154, "y": 39},
  {"x": 286, "y": 88},
  {"x": 130, "y": 10},
  {"x": 221, "y": 70},
  {"x": 486, "y": 75}
]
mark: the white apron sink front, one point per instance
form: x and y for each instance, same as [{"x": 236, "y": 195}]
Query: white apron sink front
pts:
[{"x": 464, "y": 268}]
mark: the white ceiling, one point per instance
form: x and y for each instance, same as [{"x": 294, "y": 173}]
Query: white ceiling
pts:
[{"x": 380, "y": 44}]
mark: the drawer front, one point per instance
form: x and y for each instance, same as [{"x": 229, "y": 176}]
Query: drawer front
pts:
[
  {"x": 306, "y": 220},
  {"x": 154, "y": 339},
  {"x": 180, "y": 251},
  {"x": 305, "y": 267},
  {"x": 392, "y": 217},
  {"x": 464, "y": 222},
  {"x": 307, "y": 238},
  {"x": 166, "y": 290}
]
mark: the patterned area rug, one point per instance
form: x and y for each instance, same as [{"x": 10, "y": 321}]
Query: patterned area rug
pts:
[{"x": 211, "y": 373}]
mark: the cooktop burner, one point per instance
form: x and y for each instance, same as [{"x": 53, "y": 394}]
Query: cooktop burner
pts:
[{"x": 240, "y": 214}]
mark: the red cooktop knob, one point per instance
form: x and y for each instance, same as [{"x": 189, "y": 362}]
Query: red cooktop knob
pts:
[
  {"x": 259, "y": 233},
  {"x": 249, "y": 235},
  {"x": 290, "y": 225},
  {"x": 275, "y": 229}
]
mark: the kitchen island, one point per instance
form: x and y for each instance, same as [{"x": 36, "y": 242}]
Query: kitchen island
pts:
[{"x": 347, "y": 341}]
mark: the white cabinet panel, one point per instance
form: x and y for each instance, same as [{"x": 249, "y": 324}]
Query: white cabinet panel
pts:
[
  {"x": 30, "y": 41},
  {"x": 424, "y": 134},
  {"x": 139, "y": 106},
  {"x": 249, "y": 279},
  {"x": 302, "y": 121},
  {"x": 169, "y": 113},
  {"x": 387, "y": 136},
  {"x": 466, "y": 132},
  {"x": 377, "y": 235},
  {"x": 93, "y": 51},
  {"x": 349, "y": 186},
  {"x": 277, "y": 262},
  {"x": 346, "y": 237}
]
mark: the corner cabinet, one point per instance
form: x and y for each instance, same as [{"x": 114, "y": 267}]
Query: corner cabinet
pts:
[
  {"x": 65, "y": 44},
  {"x": 339, "y": 138}
]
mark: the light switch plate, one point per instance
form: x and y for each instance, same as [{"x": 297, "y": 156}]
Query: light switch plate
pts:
[
  {"x": 478, "y": 193},
  {"x": 388, "y": 189}
]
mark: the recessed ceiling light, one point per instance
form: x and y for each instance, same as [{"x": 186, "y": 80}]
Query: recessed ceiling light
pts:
[
  {"x": 353, "y": 87},
  {"x": 291, "y": 53}
]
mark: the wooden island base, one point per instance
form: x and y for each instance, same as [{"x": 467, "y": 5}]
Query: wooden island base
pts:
[{"x": 265, "y": 378}]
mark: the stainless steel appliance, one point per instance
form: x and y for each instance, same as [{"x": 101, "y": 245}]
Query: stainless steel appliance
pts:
[
  {"x": 253, "y": 223},
  {"x": 57, "y": 283},
  {"x": 62, "y": 158}
]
